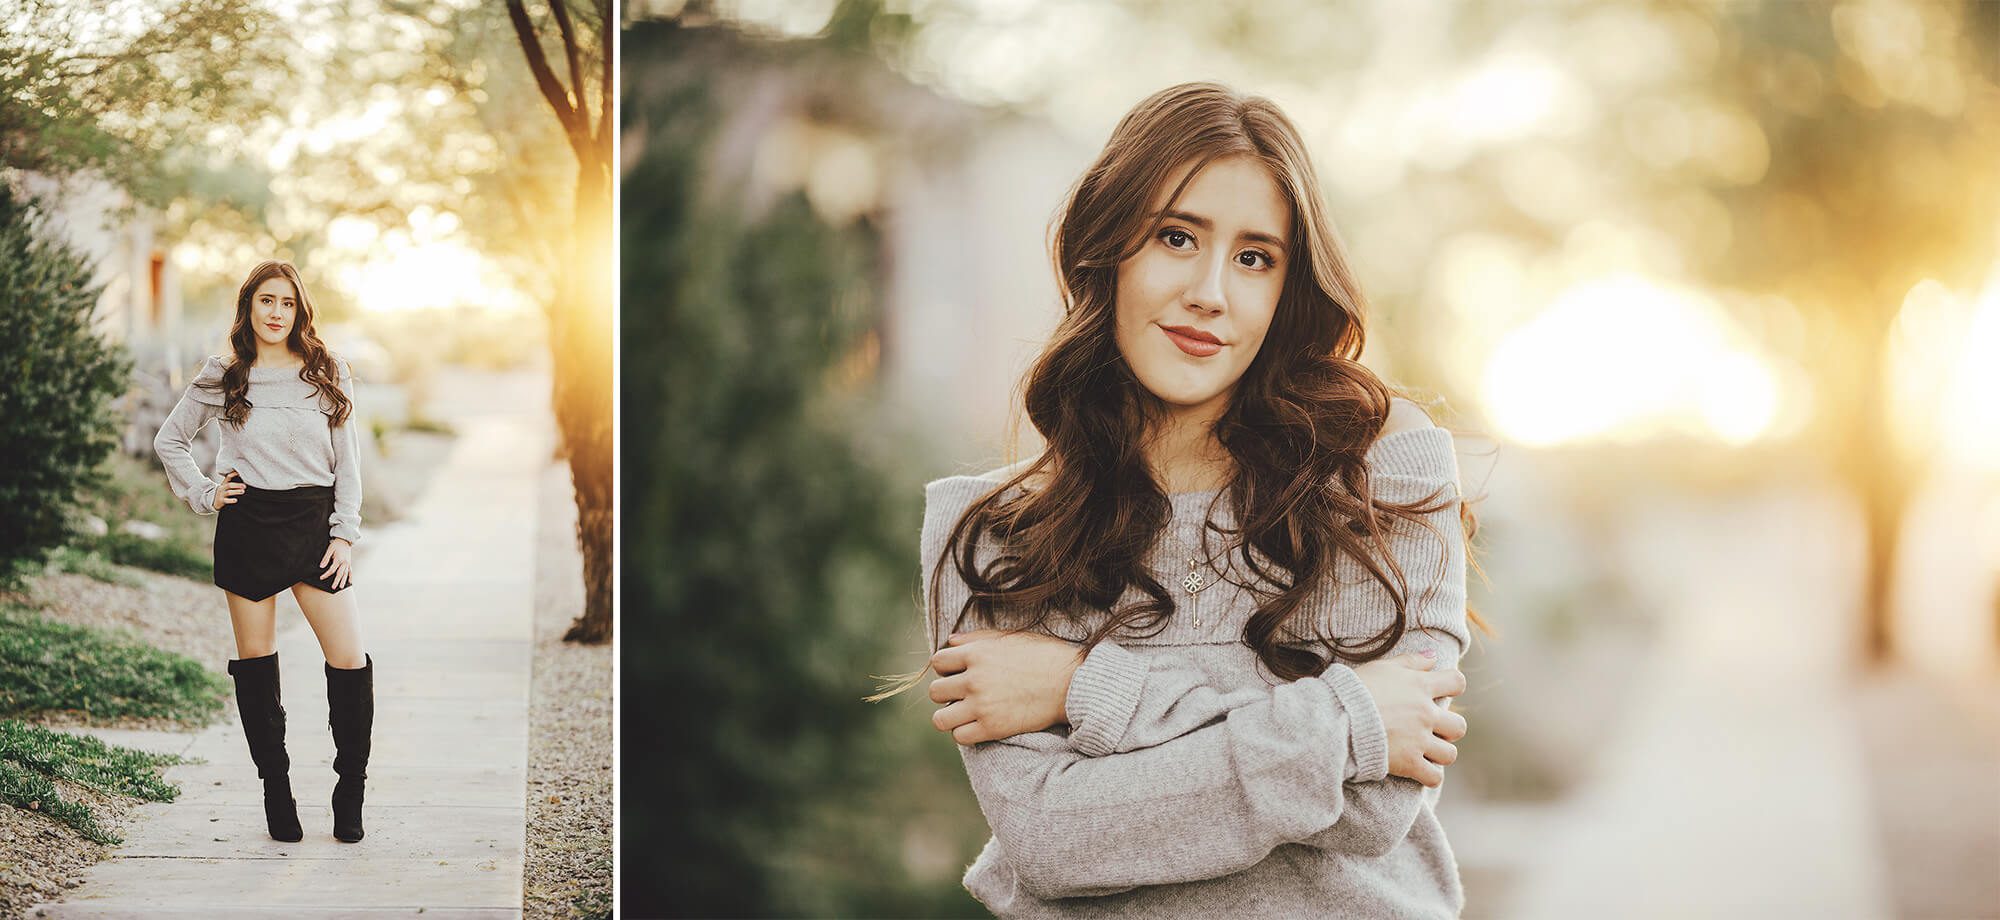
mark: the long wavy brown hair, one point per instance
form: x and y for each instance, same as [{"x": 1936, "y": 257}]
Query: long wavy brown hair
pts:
[
  {"x": 319, "y": 368},
  {"x": 1300, "y": 421}
]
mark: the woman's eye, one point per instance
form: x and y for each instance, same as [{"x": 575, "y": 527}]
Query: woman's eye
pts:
[
  {"x": 1176, "y": 238},
  {"x": 1255, "y": 258}
]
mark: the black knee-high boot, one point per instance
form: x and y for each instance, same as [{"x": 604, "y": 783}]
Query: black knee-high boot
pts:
[
  {"x": 257, "y": 701},
  {"x": 350, "y": 712}
]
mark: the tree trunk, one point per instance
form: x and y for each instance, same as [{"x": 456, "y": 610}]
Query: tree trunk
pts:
[
  {"x": 1877, "y": 474},
  {"x": 1883, "y": 518},
  {"x": 582, "y": 342}
]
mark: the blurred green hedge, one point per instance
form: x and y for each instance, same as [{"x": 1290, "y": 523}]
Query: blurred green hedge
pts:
[
  {"x": 57, "y": 422},
  {"x": 768, "y": 568}
]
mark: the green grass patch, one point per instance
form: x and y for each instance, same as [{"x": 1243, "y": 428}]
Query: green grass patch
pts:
[
  {"x": 132, "y": 489},
  {"x": 171, "y": 556},
  {"x": 87, "y": 563},
  {"x": 427, "y": 424},
  {"x": 33, "y": 757},
  {"x": 50, "y": 667}
]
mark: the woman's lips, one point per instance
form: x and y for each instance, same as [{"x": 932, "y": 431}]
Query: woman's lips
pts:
[
  {"x": 1192, "y": 346},
  {"x": 274, "y": 327}
]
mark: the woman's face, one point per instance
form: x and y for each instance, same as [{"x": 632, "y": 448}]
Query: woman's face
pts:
[
  {"x": 274, "y": 307},
  {"x": 1195, "y": 301}
]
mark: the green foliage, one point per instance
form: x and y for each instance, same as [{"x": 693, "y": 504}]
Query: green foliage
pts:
[
  {"x": 768, "y": 566},
  {"x": 163, "y": 555},
  {"x": 56, "y": 415},
  {"x": 126, "y": 488},
  {"x": 31, "y": 757},
  {"x": 131, "y": 102},
  {"x": 48, "y": 667},
  {"x": 89, "y": 564}
]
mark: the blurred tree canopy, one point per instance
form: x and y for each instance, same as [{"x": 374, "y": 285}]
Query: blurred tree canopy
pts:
[
  {"x": 766, "y": 561},
  {"x": 128, "y": 88},
  {"x": 1875, "y": 182}
]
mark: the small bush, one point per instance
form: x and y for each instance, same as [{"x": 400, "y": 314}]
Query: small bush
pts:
[
  {"x": 33, "y": 757},
  {"x": 88, "y": 563},
  {"x": 56, "y": 409},
  {"x": 51, "y": 667},
  {"x": 163, "y": 555}
]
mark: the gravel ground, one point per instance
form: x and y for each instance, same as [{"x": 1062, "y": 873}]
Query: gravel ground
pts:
[
  {"x": 568, "y": 867},
  {"x": 40, "y": 858}
]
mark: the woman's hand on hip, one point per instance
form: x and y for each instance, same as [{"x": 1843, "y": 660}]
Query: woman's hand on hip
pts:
[
  {"x": 998, "y": 684},
  {"x": 1420, "y": 730},
  {"x": 232, "y": 486},
  {"x": 337, "y": 562}
]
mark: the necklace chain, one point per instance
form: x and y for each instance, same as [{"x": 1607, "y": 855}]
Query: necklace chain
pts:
[{"x": 1194, "y": 581}]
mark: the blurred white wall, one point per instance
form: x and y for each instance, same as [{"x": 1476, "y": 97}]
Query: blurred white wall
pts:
[{"x": 971, "y": 294}]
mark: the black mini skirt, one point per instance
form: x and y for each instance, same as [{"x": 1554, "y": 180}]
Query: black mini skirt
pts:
[{"x": 271, "y": 539}]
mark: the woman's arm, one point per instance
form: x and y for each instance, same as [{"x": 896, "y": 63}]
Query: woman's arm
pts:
[
  {"x": 1120, "y": 702},
  {"x": 1174, "y": 698},
  {"x": 1116, "y": 701},
  {"x": 1211, "y": 802},
  {"x": 1010, "y": 683},
  {"x": 175, "y": 443},
  {"x": 1410, "y": 462},
  {"x": 345, "y": 521}
]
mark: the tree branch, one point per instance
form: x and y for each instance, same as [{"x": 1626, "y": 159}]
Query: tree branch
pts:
[
  {"x": 605, "y": 81},
  {"x": 568, "y": 32},
  {"x": 545, "y": 79}
]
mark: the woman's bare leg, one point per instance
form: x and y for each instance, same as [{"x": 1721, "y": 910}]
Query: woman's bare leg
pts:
[
  {"x": 350, "y": 700},
  {"x": 337, "y": 623},
  {"x": 255, "y": 624},
  {"x": 255, "y": 673}
]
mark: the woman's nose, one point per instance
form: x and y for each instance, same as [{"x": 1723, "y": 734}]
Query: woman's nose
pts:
[{"x": 1205, "y": 289}]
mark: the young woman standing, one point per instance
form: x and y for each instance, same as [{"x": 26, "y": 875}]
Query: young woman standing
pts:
[
  {"x": 1231, "y": 589},
  {"x": 289, "y": 506}
]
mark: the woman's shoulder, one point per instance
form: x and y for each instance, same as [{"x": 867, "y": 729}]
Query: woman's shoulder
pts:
[
  {"x": 988, "y": 479},
  {"x": 206, "y": 386},
  {"x": 951, "y": 495},
  {"x": 1412, "y": 445},
  {"x": 213, "y": 366}
]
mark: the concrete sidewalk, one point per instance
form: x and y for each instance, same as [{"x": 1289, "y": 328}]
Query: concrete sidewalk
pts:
[
  {"x": 446, "y": 603},
  {"x": 1733, "y": 784}
]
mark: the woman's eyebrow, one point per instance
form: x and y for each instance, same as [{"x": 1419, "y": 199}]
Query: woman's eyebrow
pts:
[{"x": 1256, "y": 236}]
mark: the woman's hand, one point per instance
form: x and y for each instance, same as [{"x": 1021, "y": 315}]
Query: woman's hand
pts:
[
  {"x": 998, "y": 684},
  {"x": 1420, "y": 731},
  {"x": 336, "y": 561},
  {"x": 232, "y": 486}
]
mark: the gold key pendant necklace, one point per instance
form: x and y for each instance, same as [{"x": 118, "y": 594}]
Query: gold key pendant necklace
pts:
[{"x": 1194, "y": 582}]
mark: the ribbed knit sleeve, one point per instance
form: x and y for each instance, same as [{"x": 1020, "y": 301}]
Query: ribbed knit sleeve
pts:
[
  {"x": 1209, "y": 803},
  {"x": 1119, "y": 701},
  {"x": 1380, "y": 813},
  {"x": 174, "y": 443},
  {"x": 345, "y": 521}
]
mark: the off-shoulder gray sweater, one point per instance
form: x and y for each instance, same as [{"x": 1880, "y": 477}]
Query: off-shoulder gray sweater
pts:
[
  {"x": 284, "y": 443},
  {"x": 1192, "y": 783}
]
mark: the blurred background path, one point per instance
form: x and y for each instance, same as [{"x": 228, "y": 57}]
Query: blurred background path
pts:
[
  {"x": 446, "y": 599},
  {"x": 1752, "y": 770}
]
